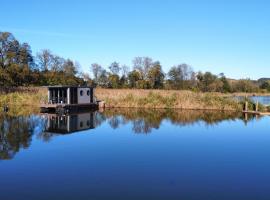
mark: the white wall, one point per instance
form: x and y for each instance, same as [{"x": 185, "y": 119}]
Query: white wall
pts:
[{"x": 85, "y": 98}]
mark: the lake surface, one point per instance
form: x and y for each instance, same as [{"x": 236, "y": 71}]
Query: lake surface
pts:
[
  {"x": 265, "y": 100},
  {"x": 135, "y": 154}
]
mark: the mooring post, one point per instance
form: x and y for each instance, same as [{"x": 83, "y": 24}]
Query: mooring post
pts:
[
  {"x": 257, "y": 106},
  {"x": 246, "y": 106}
]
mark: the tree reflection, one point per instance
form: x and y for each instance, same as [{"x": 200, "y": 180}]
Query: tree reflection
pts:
[
  {"x": 114, "y": 122},
  {"x": 142, "y": 126},
  {"x": 144, "y": 120},
  {"x": 15, "y": 133}
]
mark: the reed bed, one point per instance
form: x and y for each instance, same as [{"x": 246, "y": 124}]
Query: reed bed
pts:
[
  {"x": 136, "y": 98},
  {"x": 31, "y": 97}
]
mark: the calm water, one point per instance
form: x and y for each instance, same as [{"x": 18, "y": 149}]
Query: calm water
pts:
[
  {"x": 135, "y": 154},
  {"x": 265, "y": 100}
]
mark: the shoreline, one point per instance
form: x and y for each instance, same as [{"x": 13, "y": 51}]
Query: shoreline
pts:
[{"x": 139, "y": 98}]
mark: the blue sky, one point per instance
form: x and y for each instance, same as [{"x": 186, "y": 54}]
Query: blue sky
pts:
[{"x": 218, "y": 36}]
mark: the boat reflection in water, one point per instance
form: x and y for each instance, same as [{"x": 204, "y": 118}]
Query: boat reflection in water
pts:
[
  {"x": 70, "y": 123},
  {"x": 17, "y": 132},
  {"x": 67, "y": 124}
]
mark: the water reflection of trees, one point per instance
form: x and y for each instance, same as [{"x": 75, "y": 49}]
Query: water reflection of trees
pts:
[
  {"x": 143, "y": 120},
  {"x": 15, "y": 133}
]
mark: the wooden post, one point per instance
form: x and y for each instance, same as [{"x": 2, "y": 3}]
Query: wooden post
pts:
[
  {"x": 246, "y": 106},
  {"x": 101, "y": 104},
  {"x": 257, "y": 106}
]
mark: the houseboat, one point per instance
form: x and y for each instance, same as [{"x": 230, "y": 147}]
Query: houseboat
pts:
[{"x": 65, "y": 99}]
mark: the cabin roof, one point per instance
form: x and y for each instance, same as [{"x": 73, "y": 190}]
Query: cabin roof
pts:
[{"x": 66, "y": 86}]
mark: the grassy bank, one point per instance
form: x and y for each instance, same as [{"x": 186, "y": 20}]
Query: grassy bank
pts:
[
  {"x": 126, "y": 98},
  {"x": 135, "y": 98},
  {"x": 32, "y": 97}
]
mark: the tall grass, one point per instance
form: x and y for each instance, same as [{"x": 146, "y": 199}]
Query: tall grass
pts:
[
  {"x": 135, "y": 98},
  {"x": 31, "y": 98}
]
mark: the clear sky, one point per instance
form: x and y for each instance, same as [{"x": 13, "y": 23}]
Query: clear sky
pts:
[{"x": 230, "y": 36}]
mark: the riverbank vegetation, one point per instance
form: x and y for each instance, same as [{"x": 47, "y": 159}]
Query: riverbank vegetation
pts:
[
  {"x": 19, "y": 67},
  {"x": 144, "y": 84},
  {"x": 23, "y": 97},
  {"x": 165, "y": 99},
  {"x": 136, "y": 98},
  {"x": 173, "y": 99}
]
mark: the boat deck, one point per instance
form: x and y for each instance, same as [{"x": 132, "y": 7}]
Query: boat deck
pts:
[
  {"x": 62, "y": 108},
  {"x": 63, "y": 105}
]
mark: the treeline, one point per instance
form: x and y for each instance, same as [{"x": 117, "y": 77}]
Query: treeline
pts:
[
  {"x": 148, "y": 74},
  {"x": 18, "y": 67}
]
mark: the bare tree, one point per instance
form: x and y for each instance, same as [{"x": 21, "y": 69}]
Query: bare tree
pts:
[
  {"x": 115, "y": 68},
  {"x": 57, "y": 63},
  {"x": 44, "y": 59},
  {"x": 142, "y": 64},
  {"x": 96, "y": 70},
  {"x": 138, "y": 64},
  {"x": 125, "y": 70},
  {"x": 147, "y": 64},
  {"x": 70, "y": 68},
  {"x": 181, "y": 76}
]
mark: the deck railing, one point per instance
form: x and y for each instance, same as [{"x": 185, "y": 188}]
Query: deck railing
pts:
[{"x": 56, "y": 100}]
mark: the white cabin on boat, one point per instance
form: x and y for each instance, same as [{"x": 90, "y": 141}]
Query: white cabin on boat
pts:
[
  {"x": 70, "y": 95},
  {"x": 63, "y": 99}
]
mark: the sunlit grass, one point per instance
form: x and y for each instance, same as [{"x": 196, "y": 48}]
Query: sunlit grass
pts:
[
  {"x": 135, "y": 98},
  {"x": 31, "y": 98}
]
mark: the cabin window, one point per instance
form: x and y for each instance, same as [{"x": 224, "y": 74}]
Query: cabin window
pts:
[
  {"x": 88, "y": 92},
  {"x": 81, "y": 92},
  {"x": 81, "y": 124}
]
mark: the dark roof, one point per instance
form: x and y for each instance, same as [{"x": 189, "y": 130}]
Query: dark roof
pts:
[{"x": 66, "y": 86}]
